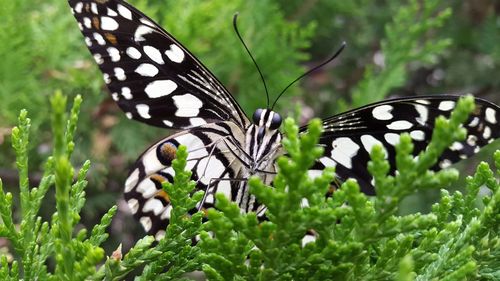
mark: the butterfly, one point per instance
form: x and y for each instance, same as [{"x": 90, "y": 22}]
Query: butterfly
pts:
[{"x": 154, "y": 79}]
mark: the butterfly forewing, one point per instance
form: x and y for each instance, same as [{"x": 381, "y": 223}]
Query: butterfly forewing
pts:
[
  {"x": 151, "y": 76},
  {"x": 349, "y": 137}
]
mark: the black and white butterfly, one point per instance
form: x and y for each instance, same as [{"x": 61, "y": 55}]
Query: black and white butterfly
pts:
[{"x": 156, "y": 80}]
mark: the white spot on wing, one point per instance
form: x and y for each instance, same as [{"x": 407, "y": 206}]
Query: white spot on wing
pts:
[
  {"x": 343, "y": 150},
  {"x": 126, "y": 93},
  {"x": 79, "y": 7},
  {"x": 112, "y": 13},
  {"x": 210, "y": 199},
  {"x": 147, "y": 188},
  {"x": 108, "y": 23},
  {"x": 471, "y": 140},
  {"x": 98, "y": 58},
  {"x": 224, "y": 187},
  {"x": 474, "y": 122},
  {"x": 166, "y": 213},
  {"x": 168, "y": 123},
  {"x": 490, "y": 115},
  {"x": 208, "y": 170},
  {"x": 129, "y": 115},
  {"x": 197, "y": 121},
  {"x": 106, "y": 78},
  {"x": 154, "y": 54},
  {"x": 141, "y": 31},
  {"x": 153, "y": 205},
  {"x": 315, "y": 173},
  {"x": 98, "y": 37},
  {"x": 133, "y": 204},
  {"x": 327, "y": 162},
  {"x": 160, "y": 234},
  {"x": 423, "y": 113},
  {"x": 369, "y": 141},
  {"x": 132, "y": 180},
  {"x": 87, "y": 22},
  {"x": 114, "y": 54},
  {"x": 400, "y": 125},
  {"x": 417, "y": 135},
  {"x": 143, "y": 111},
  {"x": 133, "y": 53},
  {"x": 115, "y": 97},
  {"x": 445, "y": 164},
  {"x": 382, "y": 112},
  {"x": 146, "y": 223},
  {"x": 187, "y": 105},
  {"x": 446, "y": 105},
  {"x": 423, "y": 101},
  {"x": 124, "y": 12},
  {"x": 487, "y": 132},
  {"x": 147, "y": 70},
  {"x": 196, "y": 146},
  {"x": 160, "y": 88},
  {"x": 147, "y": 22},
  {"x": 88, "y": 42},
  {"x": 392, "y": 138},
  {"x": 120, "y": 73},
  {"x": 175, "y": 53},
  {"x": 456, "y": 146},
  {"x": 93, "y": 8}
]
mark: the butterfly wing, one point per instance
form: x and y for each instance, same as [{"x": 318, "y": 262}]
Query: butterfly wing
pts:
[
  {"x": 349, "y": 137},
  {"x": 212, "y": 158},
  {"x": 152, "y": 77}
]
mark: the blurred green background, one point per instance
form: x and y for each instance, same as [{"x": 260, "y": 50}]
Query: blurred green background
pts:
[{"x": 395, "y": 48}]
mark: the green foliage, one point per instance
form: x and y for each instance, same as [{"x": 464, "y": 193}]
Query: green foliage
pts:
[
  {"x": 358, "y": 238},
  {"x": 36, "y": 242},
  {"x": 59, "y": 249},
  {"x": 406, "y": 41}
]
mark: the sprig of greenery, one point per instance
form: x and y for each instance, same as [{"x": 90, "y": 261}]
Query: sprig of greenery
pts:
[
  {"x": 76, "y": 255},
  {"x": 358, "y": 238},
  {"x": 36, "y": 242},
  {"x": 352, "y": 236}
]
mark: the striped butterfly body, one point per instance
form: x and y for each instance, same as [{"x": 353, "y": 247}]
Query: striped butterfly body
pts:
[{"x": 156, "y": 80}]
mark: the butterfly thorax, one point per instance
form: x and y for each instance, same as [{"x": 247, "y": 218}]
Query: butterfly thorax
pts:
[
  {"x": 262, "y": 141},
  {"x": 261, "y": 148}
]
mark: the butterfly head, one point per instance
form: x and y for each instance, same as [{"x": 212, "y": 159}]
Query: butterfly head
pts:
[{"x": 266, "y": 118}]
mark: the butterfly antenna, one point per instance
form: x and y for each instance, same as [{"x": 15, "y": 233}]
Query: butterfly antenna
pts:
[
  {"x": 235, "y": 18},
  {"x": 342, "y": 46}
]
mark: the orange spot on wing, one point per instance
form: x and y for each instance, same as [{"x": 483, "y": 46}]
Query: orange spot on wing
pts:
[
  {"x": 111, "y": 38},
  {"x": 168, "y": 151},
  {"x": 96, "y": 23},
  {"x": 163, "y": 195},
  {"x": 331, "y": 190}
]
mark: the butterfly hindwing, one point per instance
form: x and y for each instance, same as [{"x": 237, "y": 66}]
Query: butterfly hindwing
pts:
[
  {"x": 211, "y": 159},
  {"x": 349, "y": 137},
  {"x": 150, "y": 75}
]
